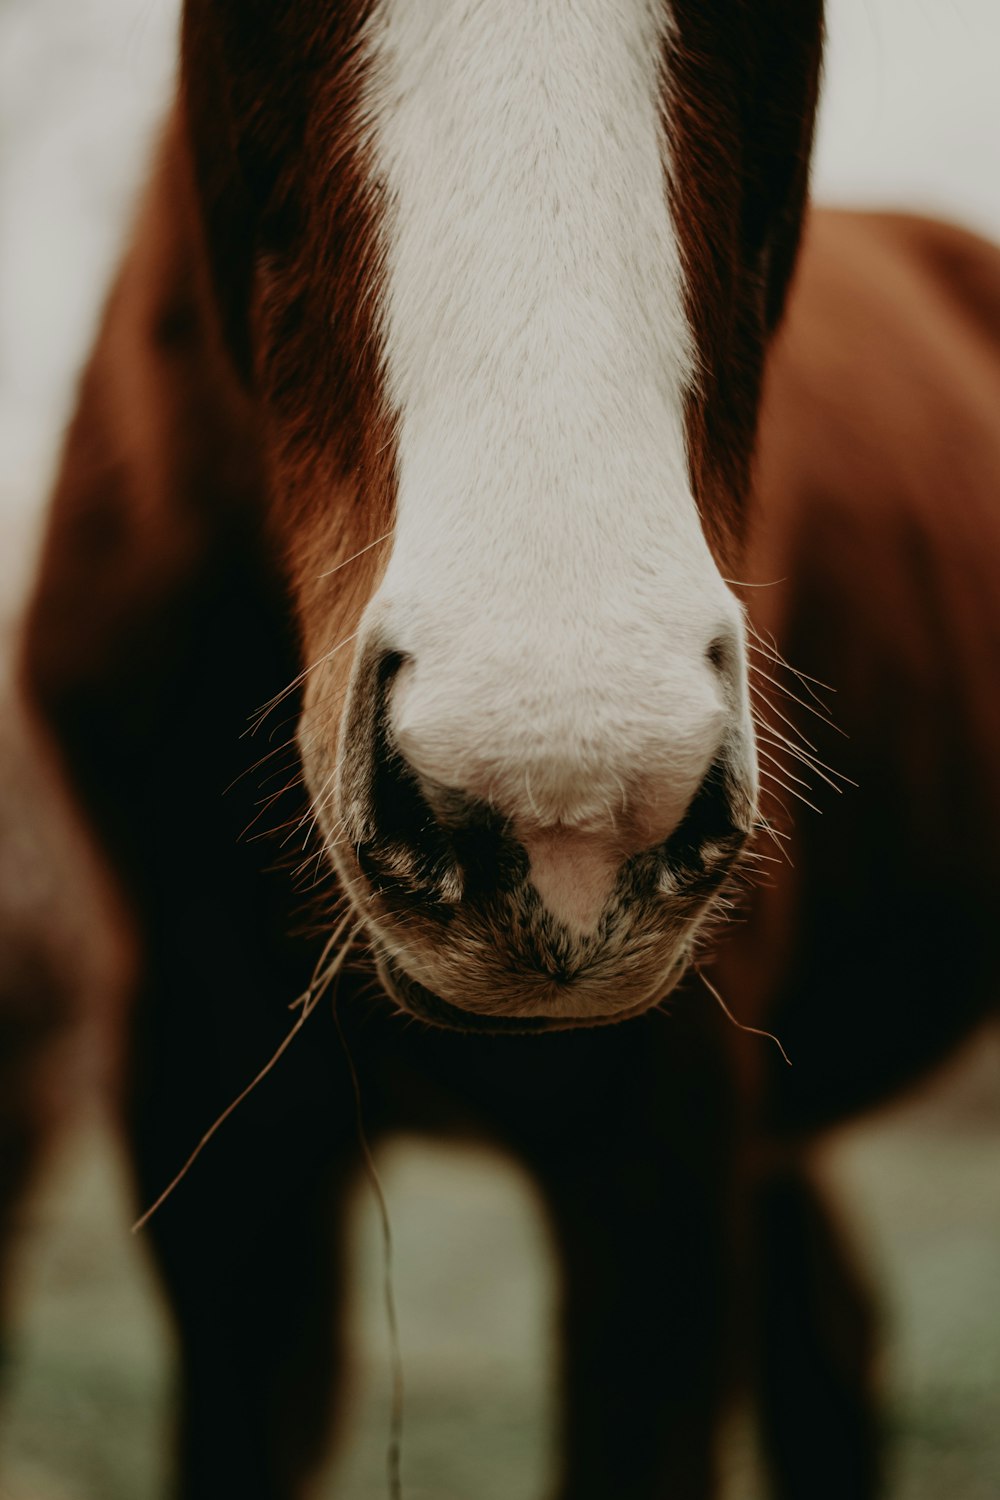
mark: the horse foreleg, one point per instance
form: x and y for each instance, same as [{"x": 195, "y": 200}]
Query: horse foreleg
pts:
[
  {"x": 816, "y": 1346},
  {"x": 640, "y": 1199},
  {"x": 250, "y": 1248}
]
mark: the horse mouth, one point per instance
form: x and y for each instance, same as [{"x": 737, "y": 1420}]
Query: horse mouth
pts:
[{"x": 415, "y": 999}]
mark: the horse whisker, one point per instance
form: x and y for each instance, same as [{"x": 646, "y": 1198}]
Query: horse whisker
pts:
[
  {"x": 317, "y": 988},
  {"x": 740, "y": 1025},
  {"x": 360, "y": 553}
]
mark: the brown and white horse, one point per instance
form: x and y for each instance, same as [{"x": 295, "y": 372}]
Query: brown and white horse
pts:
[{"x": 431, "y": 386}]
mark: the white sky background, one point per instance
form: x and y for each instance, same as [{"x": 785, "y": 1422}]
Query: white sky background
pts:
[{"x": 911, "y": 118}]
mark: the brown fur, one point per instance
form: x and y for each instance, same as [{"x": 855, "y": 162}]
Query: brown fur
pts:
[
  {"x": 64, "y": 964},
  {"x": 878, "y": 504},
  {"x": 223, "y": 455},
  {"x": 742, "y": 104}
]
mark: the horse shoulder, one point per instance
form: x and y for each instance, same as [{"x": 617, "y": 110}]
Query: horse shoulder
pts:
[
  {"x": 879, "y": 529},
  {"x": 158, "y": 466},
  {"x": 880, "y": 449}
]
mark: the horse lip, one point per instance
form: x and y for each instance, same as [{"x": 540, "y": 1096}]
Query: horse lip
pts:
[{"x": 417, "y": 1000}]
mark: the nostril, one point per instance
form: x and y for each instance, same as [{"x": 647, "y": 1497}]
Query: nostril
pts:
[
  {"x": 710, "y": 834},
  {"x": 722, "y": 654},
  {"x": 398, "y": 841}
]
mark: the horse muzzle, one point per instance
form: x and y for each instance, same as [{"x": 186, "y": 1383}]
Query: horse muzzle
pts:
[{"x": 481, "y": 921}]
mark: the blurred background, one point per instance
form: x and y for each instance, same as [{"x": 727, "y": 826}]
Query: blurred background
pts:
[{"x": 911, "y": 118}]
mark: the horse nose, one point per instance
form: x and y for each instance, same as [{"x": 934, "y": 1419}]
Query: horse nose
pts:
[
  {"x": 551, "y": 745},
  {"x": 465, "y": 779}
]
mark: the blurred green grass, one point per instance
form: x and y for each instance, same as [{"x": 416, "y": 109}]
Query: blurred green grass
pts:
[{"x": 87, "y": 1409}]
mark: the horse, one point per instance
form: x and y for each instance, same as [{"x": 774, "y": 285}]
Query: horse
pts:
[{"x": 482, "y": 412}]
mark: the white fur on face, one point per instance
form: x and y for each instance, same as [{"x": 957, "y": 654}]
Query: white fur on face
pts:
[{"x": 549, "y": 582}]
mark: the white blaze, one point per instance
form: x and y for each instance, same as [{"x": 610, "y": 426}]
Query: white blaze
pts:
[{"x": 549, "y": 578}]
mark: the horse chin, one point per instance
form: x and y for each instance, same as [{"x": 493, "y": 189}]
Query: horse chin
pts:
[{"x": 415, "y": 999}]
